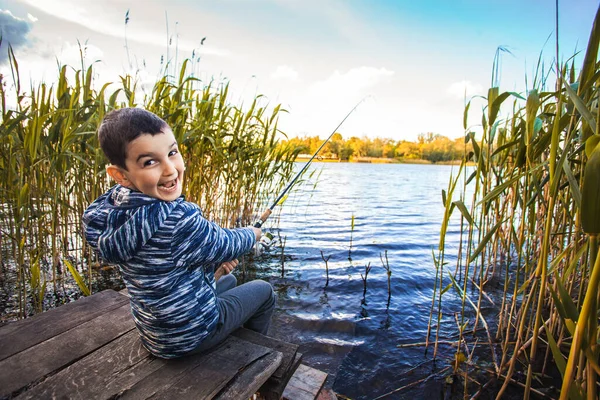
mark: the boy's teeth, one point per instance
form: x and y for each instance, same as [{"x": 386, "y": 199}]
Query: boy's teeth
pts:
[{"x": 169, "y": 184}]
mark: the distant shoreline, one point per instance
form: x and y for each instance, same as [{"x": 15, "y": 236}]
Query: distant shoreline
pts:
[{"x": 373, "y": 160}]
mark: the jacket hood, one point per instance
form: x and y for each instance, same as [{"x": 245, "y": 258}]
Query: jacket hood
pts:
[{"x": 122, "y": 220}]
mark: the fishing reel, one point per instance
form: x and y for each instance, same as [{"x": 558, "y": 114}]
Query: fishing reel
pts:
[{"x": 265, "y": 243}]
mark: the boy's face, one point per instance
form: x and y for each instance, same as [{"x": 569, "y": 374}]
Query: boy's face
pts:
[{"x": 154, "y": 166}]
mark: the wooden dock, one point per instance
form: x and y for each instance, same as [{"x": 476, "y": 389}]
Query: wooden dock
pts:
[{"x": 90, "y": 349}]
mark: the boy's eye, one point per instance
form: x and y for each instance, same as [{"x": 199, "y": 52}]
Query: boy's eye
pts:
[
  {"x": 172, "y": 153},
  {"x": 148, "y": 163}
]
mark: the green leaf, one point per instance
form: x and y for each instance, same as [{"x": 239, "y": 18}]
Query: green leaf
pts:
[
  {"x": 497, "y": 102},
  {"x": 506, "y": 146},
  {"x": 583, "y": 110},
  {"x": 485, "y": 241},
  {"x": 476, "y": 148},
  {"x": 591, "y": 143},
  {"x": 559, "y": 360},
  {"x": 446, "y": 288},
  {"x": 34, "y": 280},
  {"x": 570, "y": 326},
  {"x": 557, "y": 303},
  {"x": 574, "y": 265},
  {"x": 463, "y": 209},
  {"x": 566, "y": 300},
  {"x": 78, "y": 278},
  {"x": 24, "y": 194},
  {"x": 575, "y": 192},
  {"x": 500, "y": 188}
]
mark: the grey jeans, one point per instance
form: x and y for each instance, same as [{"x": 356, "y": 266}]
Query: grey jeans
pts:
[{"x": 250, "y": 305}]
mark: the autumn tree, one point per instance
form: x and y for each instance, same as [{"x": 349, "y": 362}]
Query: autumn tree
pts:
[{"x": 429, "y": 146}]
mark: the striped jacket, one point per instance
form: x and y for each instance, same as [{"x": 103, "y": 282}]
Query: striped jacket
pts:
[{"x": 167, "y": 253}]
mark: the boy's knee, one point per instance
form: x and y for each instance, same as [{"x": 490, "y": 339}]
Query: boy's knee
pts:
[
  {"x": 271, "y": 298},
  {"x": 264, "y": 290}
]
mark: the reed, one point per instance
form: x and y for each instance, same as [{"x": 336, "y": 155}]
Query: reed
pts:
[
  {"x": 388, "y": 271},
  {"x": 326, "y": 261},
  {"x": 51, "y": 166},
  {"x": 532, "y": 227},
  {"x": 365, "y": 277},
  {"x": 282, "y": 256},
  {"x": 351, "y": 235}
]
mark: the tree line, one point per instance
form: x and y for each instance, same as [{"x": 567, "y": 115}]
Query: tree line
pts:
[{"x": 429, "y": 146}]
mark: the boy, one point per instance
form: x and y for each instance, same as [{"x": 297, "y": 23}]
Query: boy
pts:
[{"x": 166, "y": 250}]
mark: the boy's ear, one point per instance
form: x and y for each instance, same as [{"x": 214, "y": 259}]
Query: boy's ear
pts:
[{"x": 118, "y": 174}]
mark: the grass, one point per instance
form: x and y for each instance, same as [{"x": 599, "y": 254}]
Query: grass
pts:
[{"x": 532, "y": 225}]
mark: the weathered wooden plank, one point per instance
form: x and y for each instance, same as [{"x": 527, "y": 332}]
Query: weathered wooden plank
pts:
[
  {"x": 44, "y": 358},
  {"x": 305, "y": 384},
  {"x": 288, "y": 350},
  {"x": 100, "y": 374},
  {"x": 251, "y": 379},
  {"x": 164, "y": 377},
  {"x": 273, "y": 387},
  {"x": 20, "y": 335},
  {"x": 124, "y": 369},
  {"x": 197, "y": 376}
]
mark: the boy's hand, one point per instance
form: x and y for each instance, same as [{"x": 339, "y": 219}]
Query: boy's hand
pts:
[
  {"x": 225, "y": 268},
  {"x": 257, "y": 233}
]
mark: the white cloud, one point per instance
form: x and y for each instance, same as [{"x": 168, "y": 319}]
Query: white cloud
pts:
[
  {"x": 464, "y": 89},
  {"x": 351, "y": 84},
  {"x": 31, "y": 17},
  {"x": 285, "y": 72}
]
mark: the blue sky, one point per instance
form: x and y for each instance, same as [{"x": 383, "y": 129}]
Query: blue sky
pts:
[{"x": 410, "y": 60}]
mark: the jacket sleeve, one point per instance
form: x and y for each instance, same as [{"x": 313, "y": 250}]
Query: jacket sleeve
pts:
[
  {"x": 199, "y": 241},
  {"x": 94, "y": 221}
]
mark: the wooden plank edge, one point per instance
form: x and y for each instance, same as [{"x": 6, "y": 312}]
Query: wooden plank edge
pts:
[
  {"x": 289, "y": 350},
  {"x": 258, "y": 372},
  {"x": 273, "y": 388},
  {"x": 306, "y": 383}
]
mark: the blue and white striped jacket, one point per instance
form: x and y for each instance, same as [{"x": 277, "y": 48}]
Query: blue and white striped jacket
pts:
[{"x": 167, "y": 253}]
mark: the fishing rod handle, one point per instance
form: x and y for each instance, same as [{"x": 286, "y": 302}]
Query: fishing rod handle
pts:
[{"x": 263, "y": 218}]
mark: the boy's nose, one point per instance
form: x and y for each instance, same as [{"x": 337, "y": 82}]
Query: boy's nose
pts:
[{"x": 170, "y": 168}]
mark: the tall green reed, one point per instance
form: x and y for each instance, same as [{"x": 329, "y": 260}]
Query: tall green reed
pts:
[
  {"x": 531, "y": 225},
  {"x": 51, "y": 166}
]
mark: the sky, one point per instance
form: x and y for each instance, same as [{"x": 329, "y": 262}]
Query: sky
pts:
[{"x": 412, "y": 65}]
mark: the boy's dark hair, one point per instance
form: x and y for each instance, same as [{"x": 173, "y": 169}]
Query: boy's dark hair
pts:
[{"x": 121, "y": 127}]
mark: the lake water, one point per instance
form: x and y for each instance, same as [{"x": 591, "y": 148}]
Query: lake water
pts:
[{"x": 397, "y": 208}]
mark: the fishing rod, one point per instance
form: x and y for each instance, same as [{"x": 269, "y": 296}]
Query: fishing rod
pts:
[{"x": 269, "y": 210}]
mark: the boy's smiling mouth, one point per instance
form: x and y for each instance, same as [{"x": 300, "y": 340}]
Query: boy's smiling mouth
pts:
[{"x": 170, "y": 185}]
